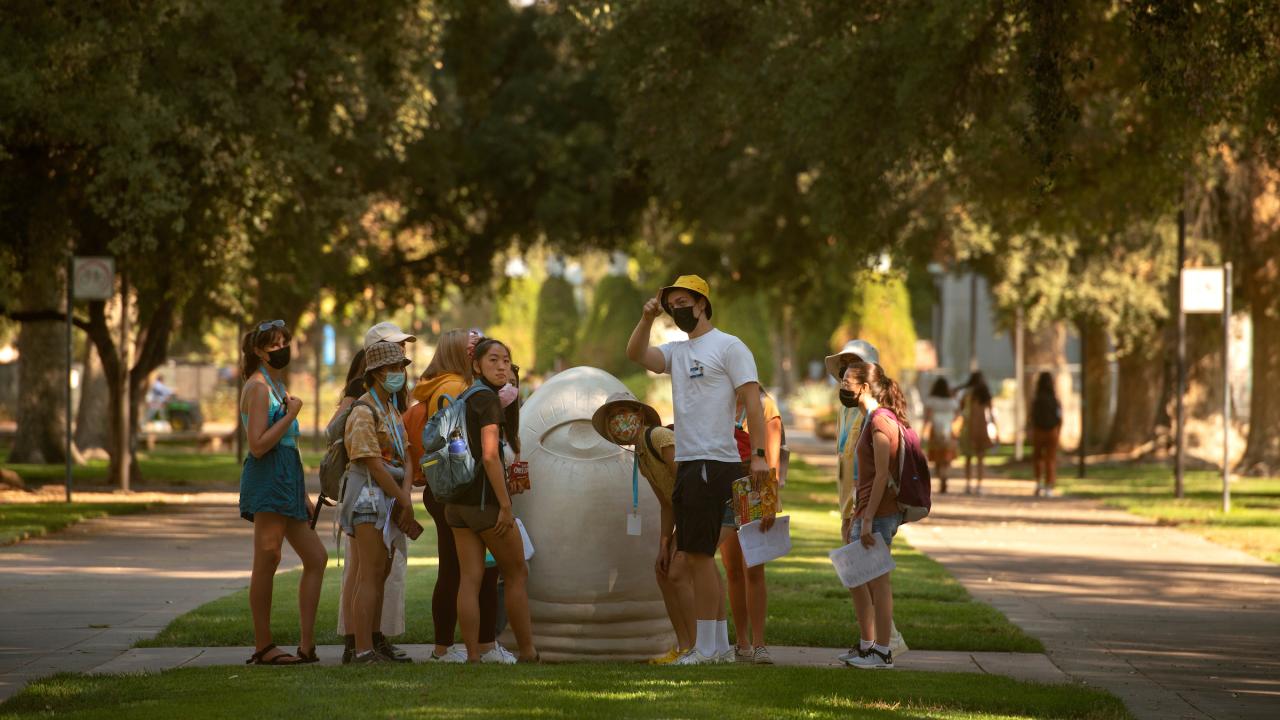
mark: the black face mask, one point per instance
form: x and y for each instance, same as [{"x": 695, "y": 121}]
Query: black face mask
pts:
[
  {"x": 848, "y": 398},
  {"x": 279, "y": 359},
  {"x": 684, "y": 319}
]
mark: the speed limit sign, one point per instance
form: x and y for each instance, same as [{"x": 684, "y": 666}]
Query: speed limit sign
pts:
[{"x": 93, "y": 278}]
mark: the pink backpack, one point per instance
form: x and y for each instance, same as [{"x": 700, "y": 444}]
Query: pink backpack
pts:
[{"x": 913, "y": 483}]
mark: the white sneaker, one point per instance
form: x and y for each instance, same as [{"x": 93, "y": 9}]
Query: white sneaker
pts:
[
  {"x": 897, "y": 645},
  {"x": 694, "y": 658},
  {"x": 457, "y": 653},
  {"x": 729, "y": 656},
  {"x": 851, "y": 654},
  {"x": 761, "y": 656},
  {"x": 742, "y": 656},
  {"x": 872, "y": 660},
  {"x": 498, "y": 656}
]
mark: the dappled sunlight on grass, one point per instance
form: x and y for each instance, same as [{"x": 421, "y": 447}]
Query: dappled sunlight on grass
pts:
[{"x": 560, "y": 691}]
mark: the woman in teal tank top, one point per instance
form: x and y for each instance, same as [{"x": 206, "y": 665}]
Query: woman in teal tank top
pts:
[{"x": 273, "y": 493}]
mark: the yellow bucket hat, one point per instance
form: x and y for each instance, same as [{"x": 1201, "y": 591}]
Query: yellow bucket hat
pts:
[{"x": 693, "y": 284}]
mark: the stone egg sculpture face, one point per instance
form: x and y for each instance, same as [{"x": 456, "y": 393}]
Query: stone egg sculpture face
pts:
[{"x": 592, "y": 592}]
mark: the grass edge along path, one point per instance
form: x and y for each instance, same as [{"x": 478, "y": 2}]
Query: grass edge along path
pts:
[
  {"x": 554, "y": 691},
  {"x": 1146, "y": 490},
  {"x": 22, "y": 521},
  {"x": 807, "y": 604}
]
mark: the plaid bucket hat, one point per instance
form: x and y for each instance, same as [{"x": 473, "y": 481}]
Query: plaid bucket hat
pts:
[{"x": 382, "y": 354}]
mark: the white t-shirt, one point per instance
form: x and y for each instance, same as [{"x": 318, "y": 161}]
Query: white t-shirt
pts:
[
  {"x": 944, "y": 412},
  {"x": 706, "y": 373}
]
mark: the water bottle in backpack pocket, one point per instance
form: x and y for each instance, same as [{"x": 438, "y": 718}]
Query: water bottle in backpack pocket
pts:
[{"x": 447, "y": 460}]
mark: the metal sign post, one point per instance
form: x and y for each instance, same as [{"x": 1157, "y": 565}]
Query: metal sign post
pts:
[
  {"x": 1208, "y": 291},
  {"x": 88, "y": 278}
]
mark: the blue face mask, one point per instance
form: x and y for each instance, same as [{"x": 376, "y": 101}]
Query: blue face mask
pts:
[{"x": 393, "y": 382}]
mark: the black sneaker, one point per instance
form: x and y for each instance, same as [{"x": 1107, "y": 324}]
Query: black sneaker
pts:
[
  {"x": 373, "y": 657},
  {"x": 389, "y": 651}
]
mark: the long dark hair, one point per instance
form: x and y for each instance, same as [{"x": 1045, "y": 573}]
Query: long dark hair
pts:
[
  {"x": 483, "y": 347},
  {"x": 940, "y": 388},
  {"x": 882, "y": 387},
  {"x": 978, "y": 386},
  {"x": 356, "y": 370},
  {"x": 1044, "y": 387},
  {"x": 255, "y": 340}
]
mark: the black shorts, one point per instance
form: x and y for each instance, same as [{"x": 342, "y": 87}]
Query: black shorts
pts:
[{"x": 702, "y": 489}]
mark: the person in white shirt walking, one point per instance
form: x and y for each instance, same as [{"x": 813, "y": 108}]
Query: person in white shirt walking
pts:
[{"x": 710, "y": 373}]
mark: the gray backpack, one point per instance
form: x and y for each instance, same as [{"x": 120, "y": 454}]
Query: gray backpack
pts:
[
  {"x": 334, "y": 465},
  {"x": 447, "y": 461}
]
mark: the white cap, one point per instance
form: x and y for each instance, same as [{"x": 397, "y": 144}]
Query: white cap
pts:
[
  {"x": 857, "y": 348},
  {"x": 386, "y": 332}
]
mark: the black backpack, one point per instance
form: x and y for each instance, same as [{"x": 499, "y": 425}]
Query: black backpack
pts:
[{"x": 1046, "y": 413}]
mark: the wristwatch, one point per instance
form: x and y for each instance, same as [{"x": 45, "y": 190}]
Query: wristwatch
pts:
[{"x": 759, "y": 452}]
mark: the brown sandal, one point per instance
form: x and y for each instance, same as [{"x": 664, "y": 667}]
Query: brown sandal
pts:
[
  {"x": 283, "y": 658},
  {"x": 306, "y": 658}
]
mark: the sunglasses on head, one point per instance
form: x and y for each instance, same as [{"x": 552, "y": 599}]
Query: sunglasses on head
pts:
[{"x": 263, "y": 327}]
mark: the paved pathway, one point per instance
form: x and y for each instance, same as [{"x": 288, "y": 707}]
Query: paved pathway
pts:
[
  {"x": 1021, "y": 666},
  {"x": 1175, "y": 625},
  {"x": 78, "y": 598}
]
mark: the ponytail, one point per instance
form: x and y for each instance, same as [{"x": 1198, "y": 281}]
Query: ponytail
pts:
[{"x": 882, "y": 387}]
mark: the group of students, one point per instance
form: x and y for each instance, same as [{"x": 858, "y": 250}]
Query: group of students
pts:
[
  {"x": 971, "y": 429},
  {"x": 726, "y": 429},
  {"x": 382, "y": 438}
]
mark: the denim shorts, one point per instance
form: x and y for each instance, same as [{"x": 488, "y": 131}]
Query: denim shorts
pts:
[
  {"x": 366, "y": 508},
  {"x": 886, "y": 526}
]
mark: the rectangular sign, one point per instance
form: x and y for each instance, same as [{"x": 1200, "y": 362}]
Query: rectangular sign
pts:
[
  {"x": 1202, "y": 290},
  {"x": 93, "y": 278}
]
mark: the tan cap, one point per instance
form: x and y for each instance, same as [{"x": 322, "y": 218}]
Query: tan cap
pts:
[{"x": 387, "y": 332}]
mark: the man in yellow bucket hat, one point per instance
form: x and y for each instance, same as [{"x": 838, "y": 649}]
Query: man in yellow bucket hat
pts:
[{"x": 710, "y": 372}]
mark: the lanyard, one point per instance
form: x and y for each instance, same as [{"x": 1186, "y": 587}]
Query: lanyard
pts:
[
  {"x": 277, "y": 390},
  {"x": 851, "y": 414},
  {"x": 635, "y": 481},
  {"x": 393, "y": 426},
  {"x": 863, "y": 431}
]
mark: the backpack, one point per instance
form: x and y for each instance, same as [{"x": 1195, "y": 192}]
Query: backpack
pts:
[
  {"x": 1046, "y": 414},
  {"x": 913, "y": 485},
  {"x": 447, "y": 461},
  {"x": 334, "y": 465}
]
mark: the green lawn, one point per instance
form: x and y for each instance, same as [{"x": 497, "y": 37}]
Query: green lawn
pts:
[
  {"x": 163, "y": 467},
  {"x": 553, "y": 691},
  {"x": 1146, "y": 489},
  {"x": 19, "y": 521},
  {"x": 807, "y": 604}
]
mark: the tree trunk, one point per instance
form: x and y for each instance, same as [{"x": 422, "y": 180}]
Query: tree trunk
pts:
[
  {"x": 1260, "y": 275},
  {"x": 1142, "y": 386},
  {"x": 92, "y": 433},
  {"x": 1097, "y": 384},
  {"x": 42, "y": 370}
]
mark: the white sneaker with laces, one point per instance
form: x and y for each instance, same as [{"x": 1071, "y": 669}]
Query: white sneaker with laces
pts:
[
  {"x": 507, "y": 654},
  {"x": 852, "y": 653},
  {"x": 455, "y": 654},
  {"x": 729, "y": 656},
  {"x": 761, "y": 656},
  {"x": 694, "y": 658},
  {"x": 498, "y": 656},
  {"x": 872, "y": 660}
]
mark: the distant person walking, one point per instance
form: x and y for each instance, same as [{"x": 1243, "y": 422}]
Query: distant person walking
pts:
[
  {"x": 1046, "y": 430},
  {"x": 939, "y": 419},
  {"x": 877, "y": 504},
  {"x": 975, "y": 435},
  {"x": 624, "y": 420},
  {"x": 272, "y": 492},
  {"x": 710, "y": 372}
]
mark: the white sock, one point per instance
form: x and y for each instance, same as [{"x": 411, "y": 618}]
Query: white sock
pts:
[
  {"x": 706, "y": 644},
  {"x": 865, "y": 645},
  {"x": 881, "y": 648},
  {"x": 722, "y": 637}
]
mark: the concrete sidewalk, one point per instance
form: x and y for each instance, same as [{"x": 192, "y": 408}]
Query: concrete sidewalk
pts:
[
  {"x": 78, "y": 598},
  {"x": 1019, "y": 666},
  {"x": 1176, "y": 626}
]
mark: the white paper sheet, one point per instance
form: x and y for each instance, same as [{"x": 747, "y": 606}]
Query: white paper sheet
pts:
[
  {"x": 524, "y": 535},
  {"x": 759, "y": 547},
  {"x": 857, "y": 565}
]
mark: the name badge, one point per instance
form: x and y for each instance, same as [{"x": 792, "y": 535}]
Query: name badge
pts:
[
  {"x": 696, "y": 371},
  {"x": 633, "y": 523}
]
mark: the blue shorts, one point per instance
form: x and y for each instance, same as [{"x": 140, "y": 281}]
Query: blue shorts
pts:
[{"x": 886, "y": 526}]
